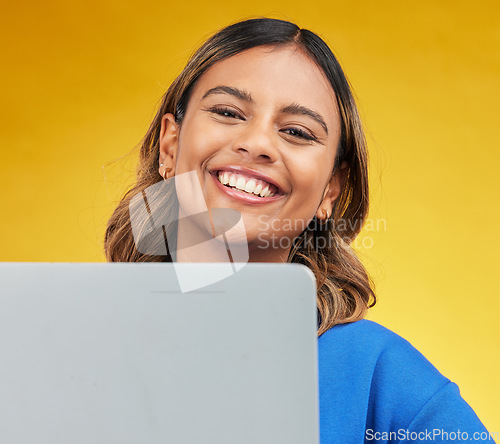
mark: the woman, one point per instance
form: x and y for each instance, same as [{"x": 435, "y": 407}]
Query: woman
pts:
[{"x": 264, "y": 117}]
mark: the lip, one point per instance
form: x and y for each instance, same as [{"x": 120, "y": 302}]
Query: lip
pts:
[
  {"x": 250, "y": 173},
  {"x": 242, "y": 196}
]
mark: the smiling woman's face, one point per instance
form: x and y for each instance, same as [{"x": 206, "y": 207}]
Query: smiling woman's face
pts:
[{"x": 265, "y": 120}]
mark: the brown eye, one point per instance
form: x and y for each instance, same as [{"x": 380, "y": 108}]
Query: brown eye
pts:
[
  {"x": 296, "y": 132},
  {"x": 225, "y": 112}
]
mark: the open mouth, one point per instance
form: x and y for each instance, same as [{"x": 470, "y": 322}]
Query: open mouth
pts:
[{"x": 245, "y": 184}]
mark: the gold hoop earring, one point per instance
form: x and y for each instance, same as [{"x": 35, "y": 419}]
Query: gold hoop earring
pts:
[{"x": 325, "y": 214}]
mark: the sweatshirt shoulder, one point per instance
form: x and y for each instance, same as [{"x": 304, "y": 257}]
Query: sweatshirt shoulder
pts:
[
  {"x": 363, "y": 325},
  {"x": 390, "y": 372},
  {"x": 388, "y": 381},
  {"x": 364, "y": 335}
]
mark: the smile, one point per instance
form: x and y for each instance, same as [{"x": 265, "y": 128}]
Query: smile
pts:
[
  {"x": 246, "y": 184},
  {"x": 246, "y": 189}
]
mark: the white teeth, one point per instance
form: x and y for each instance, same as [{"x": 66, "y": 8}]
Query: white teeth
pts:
[
  {"x": 250, "y": 186},
  {"x": 240, "y": 183},
  {"x": 224, "y": 178},
  {"x": 265, "y": 192}
]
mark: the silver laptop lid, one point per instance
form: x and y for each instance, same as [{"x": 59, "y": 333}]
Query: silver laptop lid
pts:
[{"x": 114, "y": 353}]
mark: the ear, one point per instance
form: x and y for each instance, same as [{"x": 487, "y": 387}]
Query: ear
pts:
[
  {"x": 332, "y": 191},
  {"x": 169, "y": 142}
]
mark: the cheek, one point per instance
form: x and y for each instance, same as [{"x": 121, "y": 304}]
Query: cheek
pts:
[
  {"x": 198, "y": 142},
  {"x": 311, "y": 176}
]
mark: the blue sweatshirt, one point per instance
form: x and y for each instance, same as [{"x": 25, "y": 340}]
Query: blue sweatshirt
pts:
[{"x": 375, "y": 387}]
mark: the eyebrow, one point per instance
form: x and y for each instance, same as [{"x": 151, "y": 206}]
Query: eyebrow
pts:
[
  {"x": 242, "y": 95},
  {"x": 294, "y": 108},
  {"x": 302, "y": 110}
]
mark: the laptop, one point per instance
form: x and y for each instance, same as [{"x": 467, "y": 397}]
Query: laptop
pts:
[{"x": 115, "y": 353}]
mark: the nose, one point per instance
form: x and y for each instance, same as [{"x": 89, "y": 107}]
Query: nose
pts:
[{"x": 257, "y": 142}]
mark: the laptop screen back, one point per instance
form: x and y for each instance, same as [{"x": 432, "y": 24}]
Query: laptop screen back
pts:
[{"x": 115, "y": 353}]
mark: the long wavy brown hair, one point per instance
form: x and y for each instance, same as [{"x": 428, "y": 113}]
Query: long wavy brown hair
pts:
[{"x": 344, "y": 289}]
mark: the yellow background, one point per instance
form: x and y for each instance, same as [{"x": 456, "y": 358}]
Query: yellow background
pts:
[{"x": 80, "y": 81}]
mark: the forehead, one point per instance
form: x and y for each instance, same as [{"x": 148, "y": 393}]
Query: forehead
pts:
[{"x": 283, "y": 74}]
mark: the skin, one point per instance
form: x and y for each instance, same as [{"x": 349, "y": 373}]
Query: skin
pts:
[{"x": 294, "y": 148}]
